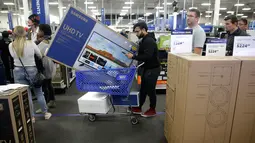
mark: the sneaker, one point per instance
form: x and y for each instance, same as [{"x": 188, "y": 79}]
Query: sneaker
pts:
[
  {"x": 150, "y": 113},
  {"x": 47, "y": 115},
  {"x": 136, "y": 110},
  {"x": 52, "y": 104},
  {"x": 38, "y": 111}
]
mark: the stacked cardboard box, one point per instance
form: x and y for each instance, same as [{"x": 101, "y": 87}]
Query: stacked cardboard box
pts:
[
  {"x": 243, "y": 130},
  {"x": 201, "y": 98},
  {"x": 15, "y": 117}
]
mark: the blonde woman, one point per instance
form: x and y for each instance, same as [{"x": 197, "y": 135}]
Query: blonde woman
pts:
[{"x": 23, "y": 50}]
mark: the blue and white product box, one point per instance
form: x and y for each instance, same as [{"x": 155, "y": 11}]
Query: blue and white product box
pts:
[
  {"x": 83, "y": 43},
  {"x": 181, "y": 41},
  {"x": 216, "y": 47},
  {"x": 133, "y": 99}
]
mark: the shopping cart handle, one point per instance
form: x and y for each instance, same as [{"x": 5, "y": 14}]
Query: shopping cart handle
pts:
[{"x": 140, "y": 65}]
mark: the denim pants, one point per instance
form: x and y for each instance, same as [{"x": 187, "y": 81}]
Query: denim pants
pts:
[{"x": 21, "y": 77}]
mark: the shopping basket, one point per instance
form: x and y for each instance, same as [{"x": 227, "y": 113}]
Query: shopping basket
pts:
[{"x": 111, "y": 81}]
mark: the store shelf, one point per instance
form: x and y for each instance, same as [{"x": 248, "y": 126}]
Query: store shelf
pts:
[
  {"x": 59, "y": 84},
  {"x": 161, "y": 86}
]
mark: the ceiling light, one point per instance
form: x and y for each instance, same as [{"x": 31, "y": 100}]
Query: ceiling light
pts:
[
  {"x": 129, "y": 2},
  {"x": 240, "y": 14},
  {"x": 230, "y": 12},
  {"x": 8, "y": 3},
  {"x": 92, "y": 7},
  {"x": 53, "y": 3},
  {"x": 159, "y": 7},
  {"x": 205, "y": 4},
  {"x": 220, "y": 14},
  {"x": 63, "y": 7},
  {"x": 4, "y": 11},
  {"x": 15, "y": 14},
  {"x": 201, "y": 13},
  {"x": 193, "y": 8},
  {"x": 223, "y": 8},
  {"x": 254, "y": 12},
  {"x": 147, "y": 14},
  {"x": 169, "y": 3},
  {"x": 122, "y": 14},
  {"x": 133, "y": 14},
  {"x": 125, "y": 10},
  {"x": 208, "y": 16},
  {"x": 239, "y": 4},
  {"x": 89, "y": 2},
  {"x": 244, "y": 16},
  {"x": 209, "y": 12},
  {"x": 126, "y": 7},
  {"x": 245, "y": 9},
  {"x": 21, "y": 8},
  {"x": 161, "y": 11}
]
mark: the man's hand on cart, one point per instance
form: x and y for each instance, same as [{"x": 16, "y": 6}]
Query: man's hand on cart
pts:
[{"x": 129, "y": 55}]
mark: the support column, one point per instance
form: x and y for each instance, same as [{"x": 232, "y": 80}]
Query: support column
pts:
[
  {"x": 216, "y": 13},
  {"x": 103, "y": 13},
  {"x": 60, "y": 9},
  {"x": 26, "y": 13},
  {"x": 165, "y": 13}
]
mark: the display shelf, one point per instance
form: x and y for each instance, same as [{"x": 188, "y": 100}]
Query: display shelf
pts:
[
  {"x": 59, "y": 84},
  {"x": 161, "y": 86}
]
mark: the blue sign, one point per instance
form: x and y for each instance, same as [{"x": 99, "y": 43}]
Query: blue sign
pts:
[
  {"x": 216, "y": 40},
  {"x": 171, "y": 22},
  {"x": 207, "y": 28},
  {"x": 103, "y": 15},
  {"x": 41, "y": 8},
  {"x": 151, "y": 27},
  {"x": 10, "y": 21},
  {"x": 71, "y": 37},
  {"x": 182, "y": 32},
  {"x": 107, "y": 22}
]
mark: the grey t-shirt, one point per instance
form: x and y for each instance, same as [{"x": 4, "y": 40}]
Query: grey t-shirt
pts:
[{"x": 199, "y": 37}]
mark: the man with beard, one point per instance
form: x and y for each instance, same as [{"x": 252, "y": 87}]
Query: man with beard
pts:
[
  {"x": 199, "y": 35},
  {"x": 147, "y": 53}
]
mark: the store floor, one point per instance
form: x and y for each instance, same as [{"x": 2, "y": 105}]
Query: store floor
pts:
[{"x": 67, "y": 126}]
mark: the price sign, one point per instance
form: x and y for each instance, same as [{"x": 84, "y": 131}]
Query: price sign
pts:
[
  {"x": 244, "y": 46},
  {"x": 181, "y": 41},
  {"x": 216, "y": 47}
]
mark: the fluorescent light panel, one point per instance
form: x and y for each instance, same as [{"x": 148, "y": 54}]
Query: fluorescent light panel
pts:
[
  {"x": 208, "y": 16},
  {"x": 129, "y": 2},
  {"x": 8, "y": 3},
  {"x": 126, "y": 7},
  {"x": 92, "y": 7},
  {"x": 53, "y": 3},
  {"x": 240, "y": 14},
  {"x": 21, "y": 8},
  {"x": 223, "y": 8},
  {"x": 125, "y": 10},
  {"x": 169, "y": 3},
  {"x": 246, "y": 9},
  {"x": 89, "y": 2},
  {"x": 239, "y": 4},
  {"x": 161, "y": 11},
  {"x": 4, "y": 11},
  {"x": 193, "y": 8},
  {"x": 230, "y": 12},
  {"x": 244, "y": 16},
  {"x": 205, "y": 4},
  {"x": 159, "y": 7},
  {"x": 209, "y": 12},
  {"x": 94, "y": 10}
]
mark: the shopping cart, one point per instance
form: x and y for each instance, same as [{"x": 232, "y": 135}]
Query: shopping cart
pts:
[{"x": 115, "y": 82}]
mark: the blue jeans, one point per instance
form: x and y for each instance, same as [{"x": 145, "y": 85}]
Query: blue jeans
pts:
[{"x": 21, "y": 77}]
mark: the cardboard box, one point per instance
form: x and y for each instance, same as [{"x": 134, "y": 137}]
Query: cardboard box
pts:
[
  {"x": 170, "y": 101},
  {"x": 172, "y": 69},
  {"x": 243, "y": 130},
  {"x": 168, "y": 127},
  {"x": 206, "y": 90},
  {"x": 11, "y": 121}
]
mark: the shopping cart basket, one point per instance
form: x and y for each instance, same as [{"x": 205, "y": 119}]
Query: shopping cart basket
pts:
[{"x": 110, "y": 81}]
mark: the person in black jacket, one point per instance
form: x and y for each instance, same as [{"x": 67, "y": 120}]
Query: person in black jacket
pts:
[
  {"x": 232, "y": 29},
  {"x": 147, "y": 53},
  {"x": 6, "y": 57}
]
